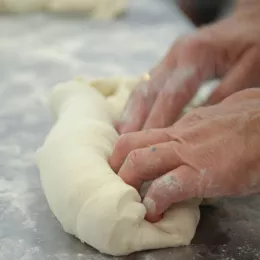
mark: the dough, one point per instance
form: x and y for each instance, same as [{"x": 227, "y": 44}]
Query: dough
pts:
[
  {"x": 98, "y": 8},
  {"x": 87, "y": 197}
]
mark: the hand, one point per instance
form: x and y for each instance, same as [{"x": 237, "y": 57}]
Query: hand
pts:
[
  {"x": 229, "y": 49},
  {"x": 210, "y": 152}
]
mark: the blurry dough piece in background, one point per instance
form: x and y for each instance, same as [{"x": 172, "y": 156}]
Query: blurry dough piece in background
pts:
[
  {"x": 22, "y": 5},
  {"x": 98, "y": 8},
  {"x": 103, "y": 9}
]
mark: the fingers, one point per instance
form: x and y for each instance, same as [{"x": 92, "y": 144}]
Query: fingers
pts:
[
  {"x": 175, "y": 186},
  {"x": 132, "y": 141},
  {"x": 244, "y": 74},
  {"x": 176, "y": 94},
  {"x": 149, "y": 163},
  {"x": 157, "y": 102},
  {"x": 195, "y": 62},
  {"x": 141, "y": 101},
  {"x": 136, "y": 110}
]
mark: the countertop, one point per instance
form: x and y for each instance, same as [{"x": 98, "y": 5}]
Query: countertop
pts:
[{"x": 36, "y": 52}]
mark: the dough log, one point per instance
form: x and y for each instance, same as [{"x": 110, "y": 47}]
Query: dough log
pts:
[
  {"x": 87, "y": 197},
  {"x": 103, "y": 9}
]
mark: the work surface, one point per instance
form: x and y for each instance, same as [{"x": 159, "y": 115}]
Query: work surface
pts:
[{"x": 37, "y": 51}]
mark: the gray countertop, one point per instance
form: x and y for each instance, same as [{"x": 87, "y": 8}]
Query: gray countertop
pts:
[{"x": 39, "y": 50}]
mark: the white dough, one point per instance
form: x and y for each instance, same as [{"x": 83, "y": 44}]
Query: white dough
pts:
[
  {"x": 98, "y": 8},
  {"x": 88, "y": 198}
]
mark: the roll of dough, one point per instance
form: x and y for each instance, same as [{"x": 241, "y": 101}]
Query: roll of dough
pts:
[
  {"x": 98, "y": 8},
  {"x": 87, "y": 197}
]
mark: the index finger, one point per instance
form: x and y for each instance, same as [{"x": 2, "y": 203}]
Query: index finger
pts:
[
  {"x": 149, "y": 163},
  {"x": 179, "y": 89}
]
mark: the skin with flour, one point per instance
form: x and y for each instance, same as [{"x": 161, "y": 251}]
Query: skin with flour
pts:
[{"x": 212, "y": 151}]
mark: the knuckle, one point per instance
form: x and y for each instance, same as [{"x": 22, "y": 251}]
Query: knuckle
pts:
[{"x": 194, "y": 116}]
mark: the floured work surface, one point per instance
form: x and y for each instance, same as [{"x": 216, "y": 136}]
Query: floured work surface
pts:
[{"x": 55, "y": 49}]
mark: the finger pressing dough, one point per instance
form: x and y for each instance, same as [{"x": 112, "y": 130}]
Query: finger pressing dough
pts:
[
  {"x": 87, "y": 197},
  {"x": 98, "y": 8}
]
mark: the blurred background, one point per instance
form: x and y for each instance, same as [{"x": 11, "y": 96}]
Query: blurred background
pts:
[{"x": 202, "y": 12}]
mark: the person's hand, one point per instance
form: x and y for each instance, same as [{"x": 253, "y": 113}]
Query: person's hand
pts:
[
  {"x": 210, "y": 152},
  {"x": 229, "y": 49}
]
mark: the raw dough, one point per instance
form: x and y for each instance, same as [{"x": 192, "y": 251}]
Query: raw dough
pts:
[
  {"x": 98, "y": 8},
  {"x": 86, "y": 196}
]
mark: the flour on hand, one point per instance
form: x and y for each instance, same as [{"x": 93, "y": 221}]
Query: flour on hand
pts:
[{"x": 87, "y": 197}]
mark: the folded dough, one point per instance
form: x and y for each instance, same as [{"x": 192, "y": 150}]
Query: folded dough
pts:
[
  {"x": 98, "y": 8},
  {"x": 88, "y": 198}
]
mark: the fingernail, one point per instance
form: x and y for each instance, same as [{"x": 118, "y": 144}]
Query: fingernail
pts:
[
  {"x": 150, "y": 205},
  {"x": 153, "y": 219}
]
